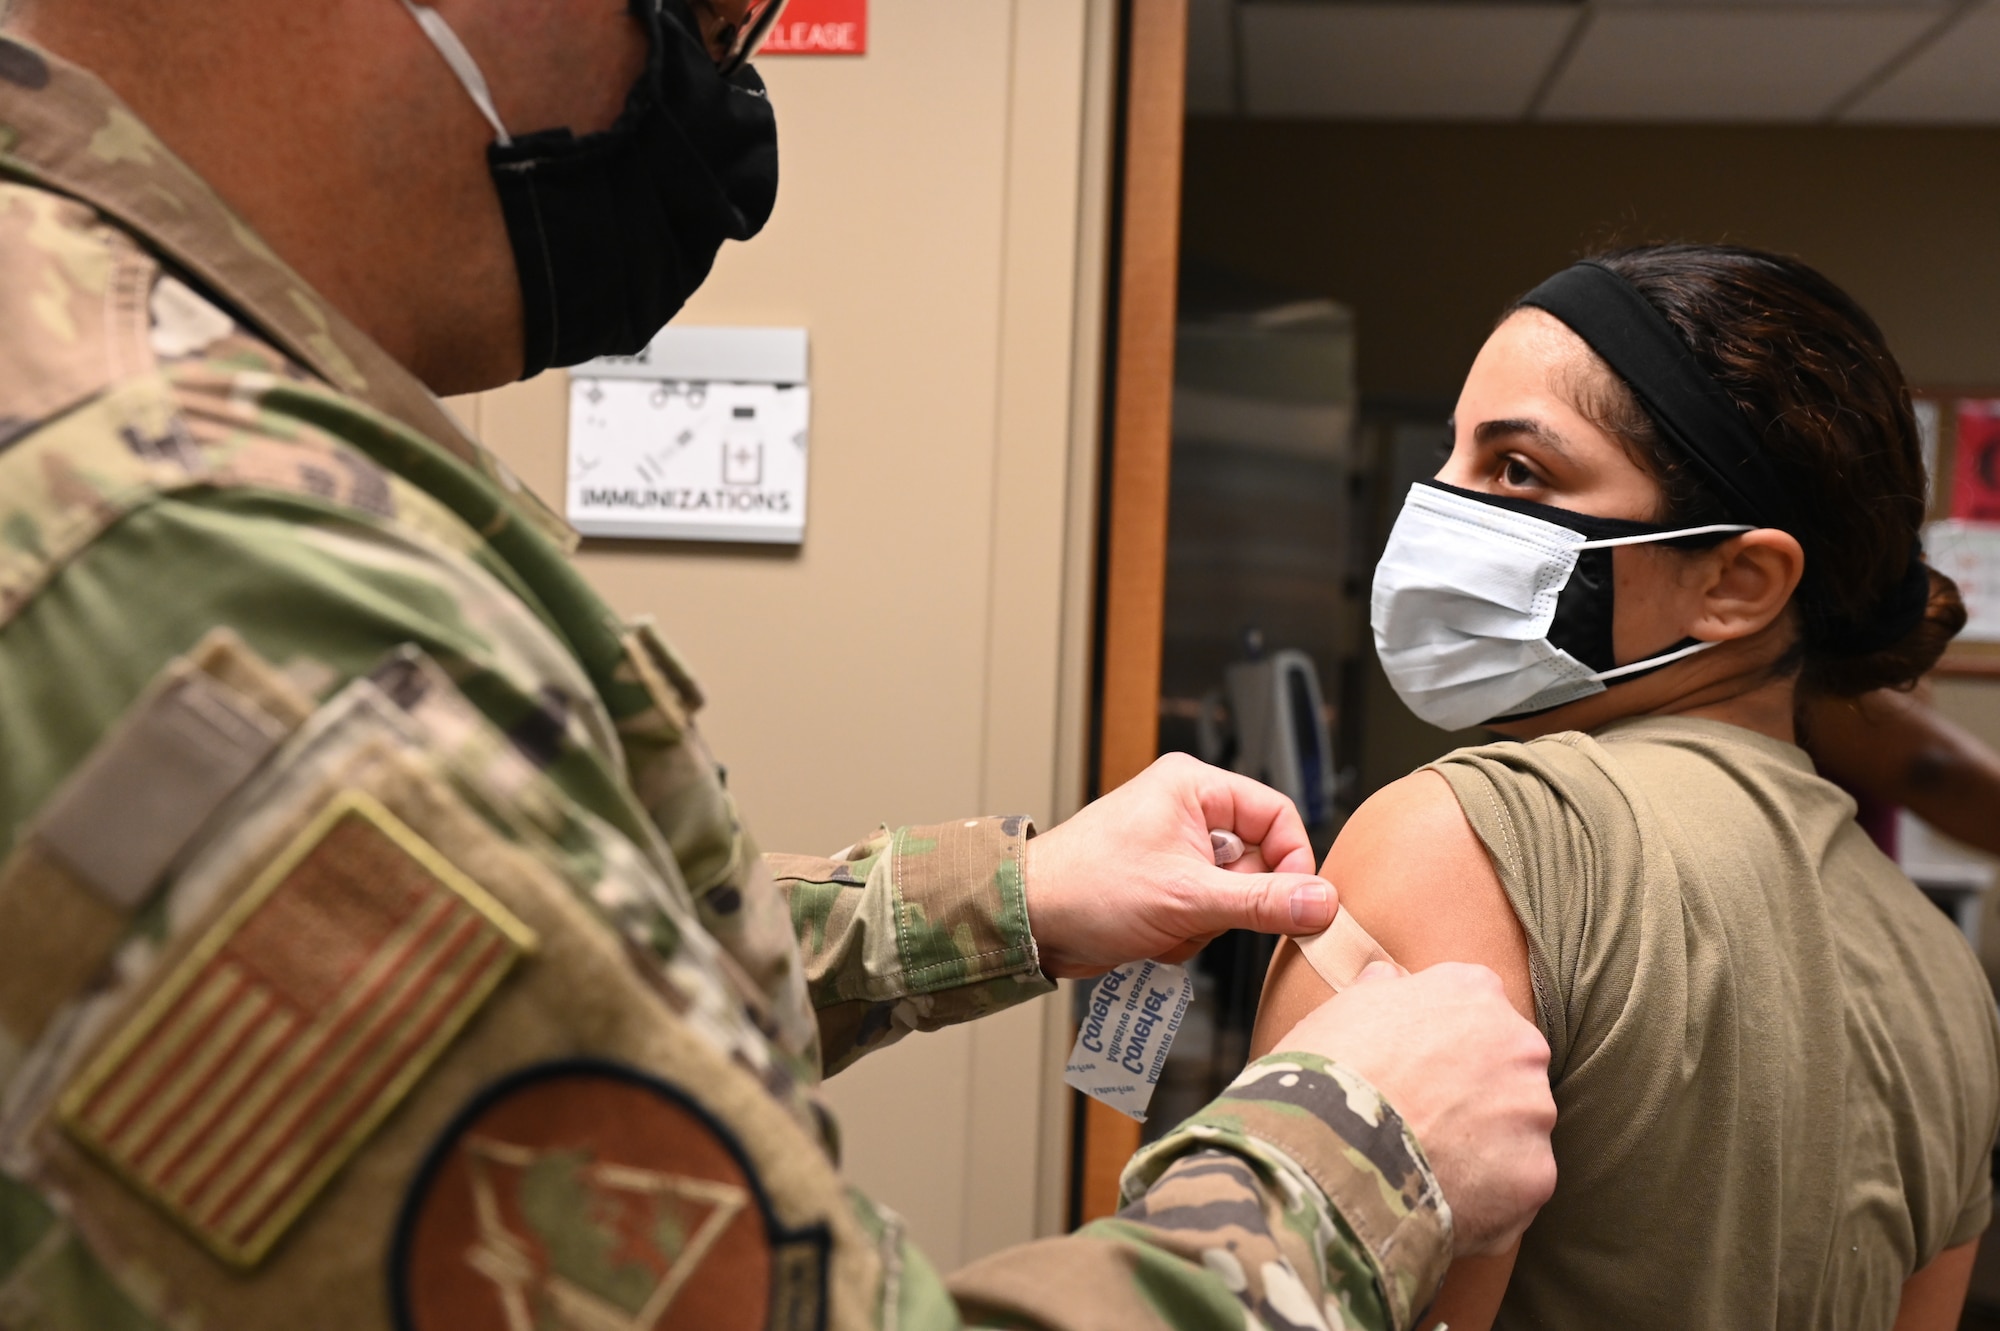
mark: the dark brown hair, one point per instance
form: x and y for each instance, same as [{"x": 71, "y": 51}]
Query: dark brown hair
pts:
[{"x": 1812, "y": 374}]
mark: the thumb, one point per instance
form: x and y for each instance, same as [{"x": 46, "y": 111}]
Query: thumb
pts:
[
  {"x": 1378, "y": 970},
  {"x": 1270, "y": 903}
]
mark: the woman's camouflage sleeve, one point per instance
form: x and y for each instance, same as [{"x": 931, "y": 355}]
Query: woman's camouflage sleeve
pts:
[
  {"x": 912, "y": 930},
  {"x": 1296, "y": 1199}
]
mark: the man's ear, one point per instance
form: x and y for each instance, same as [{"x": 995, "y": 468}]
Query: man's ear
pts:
[{"x": 1747, "y": 582}]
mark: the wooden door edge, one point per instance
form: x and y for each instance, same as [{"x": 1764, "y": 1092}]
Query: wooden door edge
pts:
[{"x": 1139, "y": 445}]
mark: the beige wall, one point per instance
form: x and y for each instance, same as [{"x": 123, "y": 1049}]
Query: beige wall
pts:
[{"x": 920, "y": 658}]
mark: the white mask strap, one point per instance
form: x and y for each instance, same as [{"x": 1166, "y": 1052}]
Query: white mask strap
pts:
[
  {"x": 1689, "y": 650},
  {"x": 462, "y": 64},
  {"x": 1652, "y": 661},
  {"x": 1610, "y": 541}
]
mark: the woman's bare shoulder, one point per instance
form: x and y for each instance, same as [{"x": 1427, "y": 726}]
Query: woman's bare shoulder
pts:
[
  {"x": 1412, "y": 873},
  {"x": 1416, "y": 876}
]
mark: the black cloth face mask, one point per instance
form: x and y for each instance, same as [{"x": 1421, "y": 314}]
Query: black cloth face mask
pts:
[
  {"x": 1586, "y": 606},
  {"x": 613, "y": 231}
]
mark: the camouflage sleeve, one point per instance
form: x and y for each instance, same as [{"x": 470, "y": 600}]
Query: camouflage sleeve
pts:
[
  {"x": 1298, "y": 1198},
  {"x": 912, "y": 930}
]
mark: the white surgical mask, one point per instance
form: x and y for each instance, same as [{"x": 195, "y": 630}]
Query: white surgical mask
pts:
[{"x": 1468, "y": 596}]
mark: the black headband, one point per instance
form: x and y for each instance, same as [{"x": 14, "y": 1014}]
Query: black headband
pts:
[
  {"x": 1689, "y": 407},
  {"x": 1702, "y": 424}
]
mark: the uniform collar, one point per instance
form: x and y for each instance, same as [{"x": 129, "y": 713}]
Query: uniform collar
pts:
[{"x": 62, "y": 129}]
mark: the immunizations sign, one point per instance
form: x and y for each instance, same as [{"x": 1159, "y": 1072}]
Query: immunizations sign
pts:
[{"x": 700, "y": 437}]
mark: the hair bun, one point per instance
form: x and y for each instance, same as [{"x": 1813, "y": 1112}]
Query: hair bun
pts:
[
  {"x": 1900, "y": 611},
  {"x": 1902, "y": 660}
]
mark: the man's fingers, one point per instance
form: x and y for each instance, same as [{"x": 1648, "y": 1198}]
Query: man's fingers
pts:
[
  {"x": 1270, "y": 903},
  {"x": 1260, "y": 815},
  {"x": 1469, "y": 973},
  {"x": 1299, "y": 859},
  {"x": 1379, "y": 970}
]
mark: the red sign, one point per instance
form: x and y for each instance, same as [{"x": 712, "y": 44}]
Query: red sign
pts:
[
  {"x": 820, "y": 27},
  {"x": 1975, "y": 476}
]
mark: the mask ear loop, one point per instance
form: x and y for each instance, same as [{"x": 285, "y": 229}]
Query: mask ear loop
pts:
[
  {"x": 462, "y": 64},
  {"x": 1648, "y": 538},
  {"x": 1664, "y": 658}
]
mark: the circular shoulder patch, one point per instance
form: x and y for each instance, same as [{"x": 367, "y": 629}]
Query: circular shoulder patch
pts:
[{"x": 587, "y": 1196}]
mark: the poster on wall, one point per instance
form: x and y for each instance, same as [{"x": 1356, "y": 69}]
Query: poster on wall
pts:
[
  {"x": 1969, "y": 554},
  {"x": 820, "y": 27},
  {"x": 1975, "y": 473},
  {"x": 700, "y": 437}
]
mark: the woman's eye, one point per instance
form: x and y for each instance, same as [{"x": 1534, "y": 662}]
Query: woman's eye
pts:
[{"x": 1516, "y": 472}]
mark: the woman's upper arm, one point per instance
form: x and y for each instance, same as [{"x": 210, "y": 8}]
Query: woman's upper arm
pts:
[
  {"x": 1410, "y": 869},
  {"x": 1934, "y": 1297}
]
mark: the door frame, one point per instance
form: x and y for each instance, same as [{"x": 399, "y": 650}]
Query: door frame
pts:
[{"x": 1137, "y": 442}]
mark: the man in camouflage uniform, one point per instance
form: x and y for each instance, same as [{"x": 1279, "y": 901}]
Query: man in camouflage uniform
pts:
[{"x": 379, "y": 944}]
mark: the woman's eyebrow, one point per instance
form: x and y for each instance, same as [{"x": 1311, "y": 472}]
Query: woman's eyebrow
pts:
[{"x": 1488, "y": 431}]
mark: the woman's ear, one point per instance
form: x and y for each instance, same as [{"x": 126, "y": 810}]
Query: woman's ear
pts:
[{"x": 1747, "y": 582}]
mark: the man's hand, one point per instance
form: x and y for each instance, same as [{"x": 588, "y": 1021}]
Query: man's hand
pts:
[
  {"x": 1133, "y": 874},
  {"x": 1467, "y": 1073}
]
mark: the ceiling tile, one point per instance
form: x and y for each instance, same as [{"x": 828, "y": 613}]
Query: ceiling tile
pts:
[
  {"x": 1772, "y": 63},
  {"x": 1211, "y": 59},
  {"x": 1956, "y": 80},
  {"x": 1398, "y": 61}
]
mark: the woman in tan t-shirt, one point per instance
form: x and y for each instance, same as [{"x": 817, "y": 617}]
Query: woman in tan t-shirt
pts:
[{"x": 1684, "y": 494}]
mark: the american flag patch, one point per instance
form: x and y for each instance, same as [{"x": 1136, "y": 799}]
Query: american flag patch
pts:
[{"x": 293, "y": 1027}]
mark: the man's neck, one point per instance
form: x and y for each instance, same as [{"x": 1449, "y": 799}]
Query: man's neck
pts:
[{"x": 388, "y": 217}]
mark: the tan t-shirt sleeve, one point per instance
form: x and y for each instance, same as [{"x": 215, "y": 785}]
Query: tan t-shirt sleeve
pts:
[
  {"x": 1564, "y": 843},
  {"x": 1977, "y": 1211}
]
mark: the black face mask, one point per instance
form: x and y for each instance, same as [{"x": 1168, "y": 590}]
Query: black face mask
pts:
[
  {"x": 1585, "y": 607},
  {"x": 613, "y": 231}
]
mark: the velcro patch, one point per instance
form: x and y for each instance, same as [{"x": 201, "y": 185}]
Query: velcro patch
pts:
[
  {"x": 588, "y": 1195},
  {"x": 294, "y": 1025}
]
